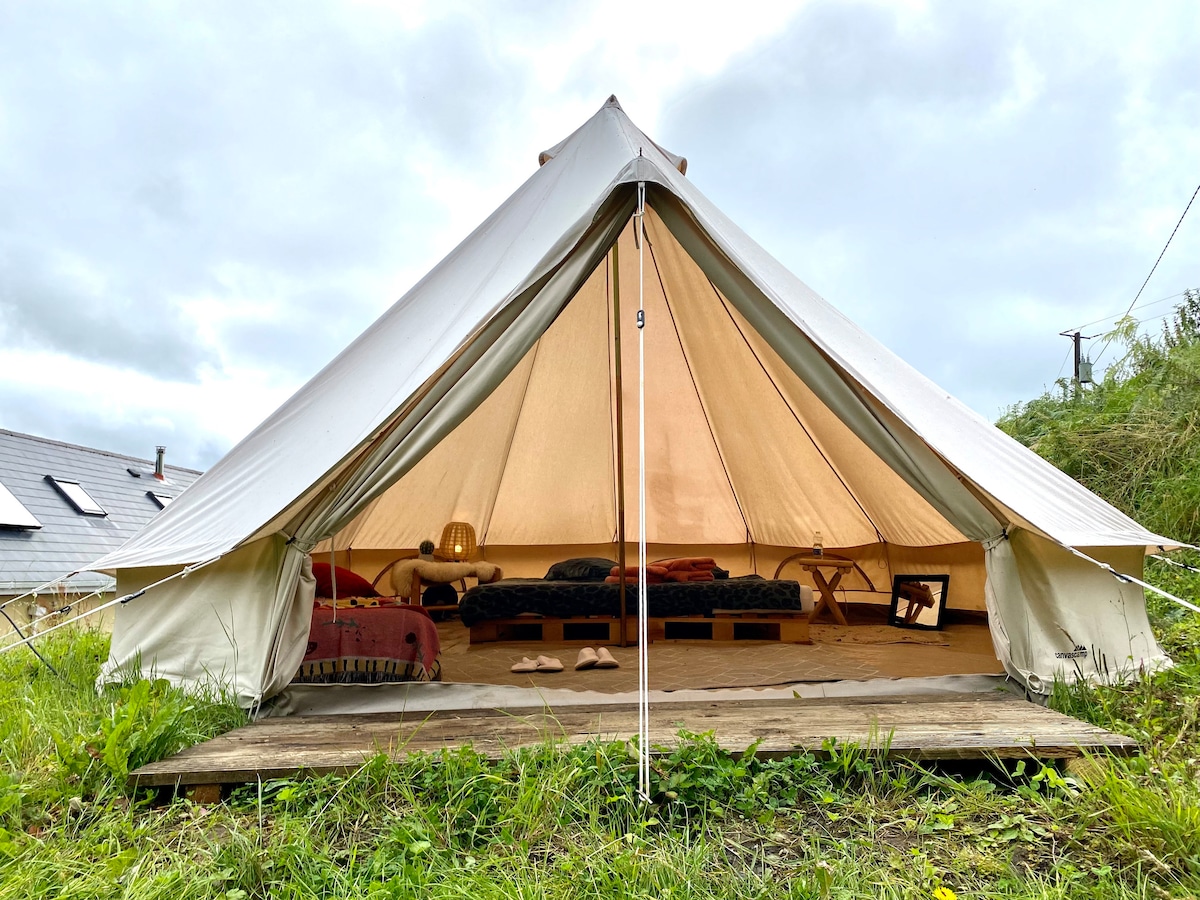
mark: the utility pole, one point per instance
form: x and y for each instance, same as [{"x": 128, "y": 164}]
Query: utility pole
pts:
[{"x": 1083, "y": 368}]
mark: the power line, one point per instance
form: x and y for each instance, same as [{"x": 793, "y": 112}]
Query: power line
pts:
[
  {"x": 1146, "y": 305},
  {"x": 1064, "y": 362},
  {"x": 1156, "y": 262},
  {"x": 1164, "y": 249}
]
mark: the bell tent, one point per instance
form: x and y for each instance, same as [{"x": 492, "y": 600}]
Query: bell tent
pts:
[{"x": 487, "y": 395}]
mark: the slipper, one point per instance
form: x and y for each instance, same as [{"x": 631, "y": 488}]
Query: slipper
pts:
[
  {"x": 606, "y": 660},
  {"x": 587, "y": 658},
  {"x": 548, "y": 664},
  {"x": 525, "y": 665}
]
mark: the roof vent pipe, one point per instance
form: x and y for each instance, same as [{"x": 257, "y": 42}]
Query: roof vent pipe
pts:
[{"x": 159, "y": 453}]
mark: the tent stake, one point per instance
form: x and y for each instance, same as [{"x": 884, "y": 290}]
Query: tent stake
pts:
[{"x": 616, "y": 262}]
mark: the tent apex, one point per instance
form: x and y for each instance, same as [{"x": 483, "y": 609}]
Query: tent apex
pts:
[{"x": 611, "y": 122}]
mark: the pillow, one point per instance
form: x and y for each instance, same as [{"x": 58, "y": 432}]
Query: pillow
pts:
[
  {"x": 348, "y": 583},
  {"x": 585, "y": 568}
]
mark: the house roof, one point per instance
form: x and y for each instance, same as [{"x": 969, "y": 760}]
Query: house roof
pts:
[{"x": 69, "y": 539}]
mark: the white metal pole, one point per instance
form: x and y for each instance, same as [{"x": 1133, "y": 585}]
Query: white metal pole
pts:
[{"x": 643, "y": 608}]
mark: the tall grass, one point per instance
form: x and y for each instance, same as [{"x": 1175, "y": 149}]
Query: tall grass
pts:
[
  {"x": 60, "y": 737},
  {"x": 555, "y": 821}
]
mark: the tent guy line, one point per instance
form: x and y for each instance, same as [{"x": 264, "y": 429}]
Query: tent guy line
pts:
[
  {"x": 116, "y": 601},
  {"x": 1122, "y": 577},
  {"x": 1173, "y": 562}
]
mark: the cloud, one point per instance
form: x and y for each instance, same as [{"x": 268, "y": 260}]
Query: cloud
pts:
[
  {"x": 203, "y": 204},
  {"x": 193, "y": 193},
  {"x": 63, "y": 303},
  {"x": 970, "y": 163}
]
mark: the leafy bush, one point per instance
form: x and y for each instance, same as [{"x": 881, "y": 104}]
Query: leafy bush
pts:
[{"x": 1134, "y": 438}]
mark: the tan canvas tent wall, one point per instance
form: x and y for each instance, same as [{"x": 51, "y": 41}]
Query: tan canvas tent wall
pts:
[{"x": 487, "y": 394}]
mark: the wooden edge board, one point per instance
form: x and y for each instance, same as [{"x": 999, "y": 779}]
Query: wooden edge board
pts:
[
  {"x": 997, "y": 696},
  {"x": 147, "y": 776},
  {"x": 249, "y": 741}
]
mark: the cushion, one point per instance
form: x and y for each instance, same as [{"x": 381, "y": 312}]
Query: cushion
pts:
[
  {"x": 348, "y": 583},
  {"x": 584, "y": 568}
]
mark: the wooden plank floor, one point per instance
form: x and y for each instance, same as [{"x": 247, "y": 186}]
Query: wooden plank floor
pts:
[{"x": 957, "y": 726}]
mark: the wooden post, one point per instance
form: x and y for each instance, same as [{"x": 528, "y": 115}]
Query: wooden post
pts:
[{"x": 616, "y": 268}]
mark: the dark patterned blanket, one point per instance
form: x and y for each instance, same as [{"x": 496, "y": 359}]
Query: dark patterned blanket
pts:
[{"x": 563, "y": 599}]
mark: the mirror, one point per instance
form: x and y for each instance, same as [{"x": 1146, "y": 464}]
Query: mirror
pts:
[{"x": 918, "y": 601}]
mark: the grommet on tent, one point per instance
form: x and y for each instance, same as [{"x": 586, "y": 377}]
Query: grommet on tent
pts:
[{"x": 458, "y": 541}]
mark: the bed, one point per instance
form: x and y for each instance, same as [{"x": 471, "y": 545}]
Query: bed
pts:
[
  {"x": 564, "y": 599},
  {"x": 723, "y": 609},
  {"x": 362, "y": 638}
]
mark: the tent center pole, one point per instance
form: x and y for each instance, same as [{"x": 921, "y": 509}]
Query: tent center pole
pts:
[{"x": 620, "y": 430}]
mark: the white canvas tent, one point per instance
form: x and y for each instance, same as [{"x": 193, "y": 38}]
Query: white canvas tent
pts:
[{"x": 486, "y": 394}]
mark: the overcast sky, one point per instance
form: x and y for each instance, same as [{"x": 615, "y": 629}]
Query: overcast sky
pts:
[{"x": 201, "y": 203}]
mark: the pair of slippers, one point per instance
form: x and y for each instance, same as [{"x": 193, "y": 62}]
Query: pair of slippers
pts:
[
  {"x": 588, "y": 659},
  {"x": 541, "y": 664},
  {"x": 596, "y": 659}
]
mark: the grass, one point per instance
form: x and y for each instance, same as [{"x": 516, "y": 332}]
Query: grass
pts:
[{"x": 562, "y": 821}]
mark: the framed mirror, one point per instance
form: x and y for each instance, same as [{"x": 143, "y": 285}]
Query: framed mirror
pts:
[{"x": 918, "y": 601}]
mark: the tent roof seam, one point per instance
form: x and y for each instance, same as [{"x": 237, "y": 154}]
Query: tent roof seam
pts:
[
  {"x": 803, "y": 427},
  {"x": 695, "y": 387}
]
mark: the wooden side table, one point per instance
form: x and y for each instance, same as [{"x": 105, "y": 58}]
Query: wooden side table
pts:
[{"x": 839, "y": 567}]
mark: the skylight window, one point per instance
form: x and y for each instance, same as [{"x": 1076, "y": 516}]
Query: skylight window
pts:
[
  {"x": 13, "y": 513},
  {"x": 79, "y": 498},
  {"x": 162, "y": 500}
]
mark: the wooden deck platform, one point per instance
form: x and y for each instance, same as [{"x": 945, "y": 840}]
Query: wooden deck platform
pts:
[{"x": 959, "y": 726}]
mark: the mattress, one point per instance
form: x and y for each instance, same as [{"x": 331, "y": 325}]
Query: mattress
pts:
[
  {"x": 374, "y": 644},
  {"x": 563, "y": 599}
]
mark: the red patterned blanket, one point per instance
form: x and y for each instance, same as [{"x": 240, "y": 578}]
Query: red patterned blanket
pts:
[{"x": 370, "y": 645}]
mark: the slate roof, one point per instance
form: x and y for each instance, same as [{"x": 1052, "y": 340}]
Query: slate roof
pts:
[{"x": 69, "y": 539}]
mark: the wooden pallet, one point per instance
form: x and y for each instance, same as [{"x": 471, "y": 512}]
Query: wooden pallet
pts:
[
  {"x": 944, "y": 726},
  {"x": 723, "y": 625}
]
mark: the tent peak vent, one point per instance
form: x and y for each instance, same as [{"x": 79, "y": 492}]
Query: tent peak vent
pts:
[{"x": 611, "y": 117}]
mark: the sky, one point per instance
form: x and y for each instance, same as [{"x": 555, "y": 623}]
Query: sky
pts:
[{"x": 202, "y": 203}]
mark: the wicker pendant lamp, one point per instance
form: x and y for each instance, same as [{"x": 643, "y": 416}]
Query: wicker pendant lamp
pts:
[{"x": 458, "y": 541}]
